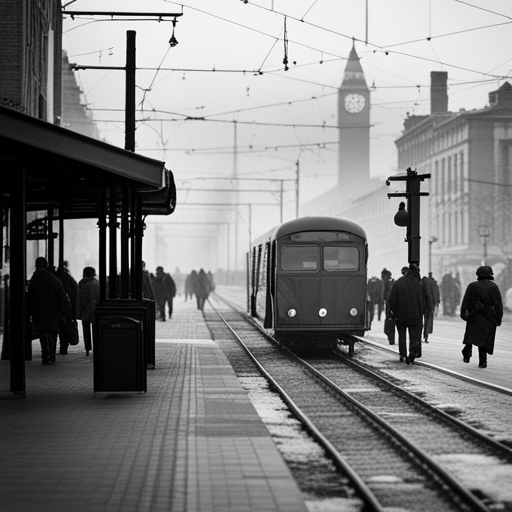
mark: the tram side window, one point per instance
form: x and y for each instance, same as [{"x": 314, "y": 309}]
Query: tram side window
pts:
[
  {"x": 299, "y": 258},
  {"x": 341, "y": 258}
]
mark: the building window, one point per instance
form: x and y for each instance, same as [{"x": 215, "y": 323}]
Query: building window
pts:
[{"x": 455, "y": 175}]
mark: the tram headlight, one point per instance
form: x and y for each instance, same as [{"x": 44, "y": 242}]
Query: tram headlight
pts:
[
  {"x": 322, "y": 312},
  {"x": 353, "y": 312},
  {"x": 292, "y": 313}
]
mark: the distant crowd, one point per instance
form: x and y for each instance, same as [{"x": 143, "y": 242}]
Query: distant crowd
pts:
[{"x": 162, "y": 288}]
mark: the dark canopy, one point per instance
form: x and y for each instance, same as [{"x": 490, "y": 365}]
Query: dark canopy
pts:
[{"x": 66, "y": 167}]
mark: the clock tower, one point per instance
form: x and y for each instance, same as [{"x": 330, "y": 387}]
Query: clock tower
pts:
[{"x": 354, "y": 127}]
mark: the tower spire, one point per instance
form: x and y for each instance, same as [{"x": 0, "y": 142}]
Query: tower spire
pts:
[{"x": 353, "y": 77}]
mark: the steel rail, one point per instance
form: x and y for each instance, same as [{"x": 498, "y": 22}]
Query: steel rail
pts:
[
  {"x": 440, "y": 369},
  {"x": 496, "y": 445},
  {"x": 364, "y": 491},
  {"x": 421, "y": 456}
]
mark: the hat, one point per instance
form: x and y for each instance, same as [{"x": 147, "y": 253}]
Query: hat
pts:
[
  {"x": 485, "y": 270},
  {"x": 89, "y": 272}
]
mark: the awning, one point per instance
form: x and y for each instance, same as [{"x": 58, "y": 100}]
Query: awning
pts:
[{"x": 66, "y": 167}]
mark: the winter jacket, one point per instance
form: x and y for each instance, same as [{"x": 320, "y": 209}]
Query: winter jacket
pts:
[
  {"x": 165, "y": 288},
  {"x": 482, "y": 309},
  {"x": 202, "y": 285},
  {"x": 406, "y": 300},
  {"x": 46, "y": 301}
]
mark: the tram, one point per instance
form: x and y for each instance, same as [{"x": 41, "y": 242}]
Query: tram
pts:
[{"x": 308, "y": 281}]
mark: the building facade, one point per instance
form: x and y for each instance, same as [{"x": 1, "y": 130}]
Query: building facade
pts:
[
  {"x": 469, "y": 156},
  {"x": 466, "y": 218},
  {"x": 30, "y": 56}
]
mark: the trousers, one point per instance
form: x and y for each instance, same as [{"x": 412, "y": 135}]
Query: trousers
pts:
[
  {"x": 467, "y": 352},
  {"x": 48, "y": 341},
  {"x": 414, "y": 339}
]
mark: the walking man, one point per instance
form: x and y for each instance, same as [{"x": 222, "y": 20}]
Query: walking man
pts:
[
  {"x": 431, "y": 296},
  {"x": 406, "y": 307},
  {"x": 47, "y": 301}
]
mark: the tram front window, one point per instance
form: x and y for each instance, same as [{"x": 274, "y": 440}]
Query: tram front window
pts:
[
  {"x": 299, "y": 258},
  {"x": 341, "y": 258}
]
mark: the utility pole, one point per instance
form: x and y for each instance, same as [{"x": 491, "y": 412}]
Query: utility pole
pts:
[
  {"x": 297, "y": 181},
  {"x": 129, "y": 136},
  {"x": 130, "y": 63},
  {"x": 410, "y": 218}
]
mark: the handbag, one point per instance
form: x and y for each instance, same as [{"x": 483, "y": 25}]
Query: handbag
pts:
[{"x": 69, "y": 330}]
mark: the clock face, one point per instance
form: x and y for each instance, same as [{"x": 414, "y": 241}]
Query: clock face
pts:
[{"x": 354, "y": 103}]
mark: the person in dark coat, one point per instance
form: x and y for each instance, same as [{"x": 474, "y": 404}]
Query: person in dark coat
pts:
[
  {"x": 47, "y": 302},
  {"x": 212, "y": 280},
  {"x": 482, "y": 310},
  {"x": 148, "y": 291},
  {"x": 376, "y": 296},
  {"x": 202, "y": 288},
  {"x": 190, "y": 284},
  {"x": 431, "y": 296},
  {"x": 71, "y": 288},
  {"x": 165, "y": 291},
  {"x": 89, "y": 292},
  {"x": 406, "y": 307},
  {"x": 389, "y": 322}
]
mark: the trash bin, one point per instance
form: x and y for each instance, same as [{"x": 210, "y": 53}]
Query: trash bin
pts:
[{"x": 119, "y": 354}]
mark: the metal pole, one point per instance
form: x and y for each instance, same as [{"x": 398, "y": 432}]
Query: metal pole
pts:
[
  {"x": 281, "y": 200},
  {"x": 61, "y": 235},
  {"x": 125, "y": 243},
  {"x": 112, "y": 238},
  {"x": 413, "y": 229},
  {"x": 297, "y": 190},
  {"x": 18, "y": 281},
  {"x": 129, "y": 143},
  {"x": 51, "y": 248},
  {"x": 235, "y": 173},
  {"x": 102, "y": 225}
]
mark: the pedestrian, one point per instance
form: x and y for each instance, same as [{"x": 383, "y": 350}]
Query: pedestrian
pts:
[
  {"x": 71, "y": 288},
  {"x": 406, "y": 307},
  {"x": 171, "y": 293},
  {"x": 482, "y": 310},
  {"x": 389, "y": 322},
  {"x": 190, "y": 283},
  {"x": 375, "y": 294},
  {"x": 431, "y": 296},
  {"x": 148, "y": 291},
  {"x": 450, "y": 294},
  {"x": 202, "y": 288},
  {"x": 165, "y": 291},
  {"x": 47, "y": 303},
  {"x": 211, "y": 279},
  {"x": 89, "y": 293}
]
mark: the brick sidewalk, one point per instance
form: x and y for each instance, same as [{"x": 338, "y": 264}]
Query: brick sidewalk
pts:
[{"x": 193, "y": 442}]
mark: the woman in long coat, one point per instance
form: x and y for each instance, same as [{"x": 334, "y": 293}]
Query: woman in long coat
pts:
[{"x": 482, "y": 309}]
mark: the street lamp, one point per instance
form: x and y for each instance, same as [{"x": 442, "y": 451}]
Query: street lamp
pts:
[
  {"x": 484, "y": 233},
  {"x": 430, "y": 242}
]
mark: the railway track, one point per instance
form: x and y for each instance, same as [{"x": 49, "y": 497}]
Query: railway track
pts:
[{"x": 397, "y": 451}]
